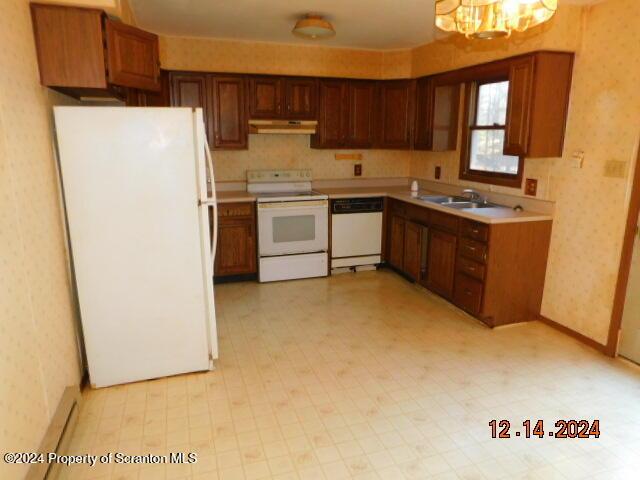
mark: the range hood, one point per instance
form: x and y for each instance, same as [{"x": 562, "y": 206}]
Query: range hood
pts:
[{"x": 286, "y": 127}]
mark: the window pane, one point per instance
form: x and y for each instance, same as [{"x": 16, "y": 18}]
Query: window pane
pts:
[
  {"x": 492, "y": 103},
  {"x": 486, "y": 153}
]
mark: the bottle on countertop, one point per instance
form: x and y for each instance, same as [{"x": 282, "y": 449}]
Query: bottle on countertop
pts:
[{"x": 414, "y": 188}]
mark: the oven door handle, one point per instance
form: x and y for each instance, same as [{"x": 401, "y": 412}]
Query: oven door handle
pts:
[{"x": 305, "y": 204}]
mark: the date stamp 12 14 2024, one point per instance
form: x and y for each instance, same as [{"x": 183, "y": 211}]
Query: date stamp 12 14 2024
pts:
[{"x": 536, "y": 429}]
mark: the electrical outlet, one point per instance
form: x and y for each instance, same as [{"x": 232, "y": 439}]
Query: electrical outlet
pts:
[
  {"x": 615, "y": 169},
  {"x": 357, "y": 170},
  {"x": 531, "y": 187},
  {"x": 438, "y": 172}
]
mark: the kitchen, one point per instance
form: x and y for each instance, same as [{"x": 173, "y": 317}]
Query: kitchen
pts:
[{"x": 380, "y": 205}]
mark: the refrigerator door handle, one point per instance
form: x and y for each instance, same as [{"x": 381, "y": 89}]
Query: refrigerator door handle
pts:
[{"x": 212, "y": 201}]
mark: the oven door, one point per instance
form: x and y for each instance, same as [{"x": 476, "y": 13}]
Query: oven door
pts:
[{"x": 286, "y": 228}]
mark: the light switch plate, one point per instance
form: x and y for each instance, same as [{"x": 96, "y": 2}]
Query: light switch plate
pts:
[{"x": 531, "y": 187}]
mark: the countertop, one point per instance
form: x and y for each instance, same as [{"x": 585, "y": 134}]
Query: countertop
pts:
[{"x": 483, "y": 215}]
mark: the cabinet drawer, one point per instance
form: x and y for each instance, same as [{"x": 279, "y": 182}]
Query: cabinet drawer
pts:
[
  {"x": 443, "y": 221},
  {"x": 235, "y": 210},
  {"x": 473, "y": 250},
  {"x": 468, "y": 294},
  {"x": 474, "y": 230},
  {"x": 471, "y": 268}
]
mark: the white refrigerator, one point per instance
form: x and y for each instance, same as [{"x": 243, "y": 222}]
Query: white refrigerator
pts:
[{"x": 135, "y": 191}]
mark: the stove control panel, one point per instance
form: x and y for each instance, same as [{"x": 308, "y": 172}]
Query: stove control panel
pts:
[{"x": 277, "y": 176}]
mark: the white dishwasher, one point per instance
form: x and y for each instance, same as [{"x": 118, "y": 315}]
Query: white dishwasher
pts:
[{"x": 356, "y": 232}]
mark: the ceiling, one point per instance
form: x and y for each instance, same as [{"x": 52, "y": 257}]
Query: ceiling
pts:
[{"x": 373, "y": 24}]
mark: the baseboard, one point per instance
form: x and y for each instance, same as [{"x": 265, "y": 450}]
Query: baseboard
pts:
[
  {"x": 590, "y": 342},
  {"x": 58, "y": 435}
]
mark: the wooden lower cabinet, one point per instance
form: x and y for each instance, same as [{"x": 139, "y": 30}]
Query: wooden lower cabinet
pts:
[
  {"x": 441, "y": 262},
  {"x": 396, "y": 242},
  {"x": 494, "y": 272},
  {"x": 236, "y": 250}
]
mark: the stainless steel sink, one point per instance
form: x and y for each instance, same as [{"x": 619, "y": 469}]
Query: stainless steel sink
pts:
[{"x": 456, "y": 202}]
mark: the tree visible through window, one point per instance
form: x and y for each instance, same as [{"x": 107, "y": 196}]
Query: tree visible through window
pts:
[{"x": 483, "y": 159}]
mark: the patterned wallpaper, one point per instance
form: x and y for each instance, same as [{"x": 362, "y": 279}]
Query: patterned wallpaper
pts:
[
  {"x": 603, "y": 123},
  {"x": 292, "y": 151},
  {"x": 38, "y": 349}
]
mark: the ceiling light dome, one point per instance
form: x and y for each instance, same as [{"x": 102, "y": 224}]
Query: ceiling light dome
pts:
[
  {"x": 492, "y": 18},
  {"x": 314, "y": 27}
]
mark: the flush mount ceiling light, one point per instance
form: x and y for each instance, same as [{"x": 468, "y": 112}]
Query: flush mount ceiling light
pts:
[
  {"x": 492, "y": 18},
  {"x": 314, "y": 27}
]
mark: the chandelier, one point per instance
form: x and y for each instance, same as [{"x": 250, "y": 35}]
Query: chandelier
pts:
[{"x": 492, "y": 18}]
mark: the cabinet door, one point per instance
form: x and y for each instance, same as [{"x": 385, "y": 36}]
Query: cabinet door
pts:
[
  {"x": 146, "y": 98},
  {"x": 265, "y": 97},
  {"x": 424, "y": 115},
  {"x": 412, "y": 250},
  {"x": 446, "y": 104},
  {"x": 519, "y": 106},
  {"x": 331, "y": 132},
  {"x": 236, "y": 253},
  {"x": 395, "y": 119},
  {"x": 132, "y": 56},
  {"x": 396, "y": 243},
  {"x": 190, "y": 90},
  {"x": 361, "y": 114},
  {"x": 228, "y": 104},
  {"x": 442, "y": 260},
  {"x": 300, "y": 98}
]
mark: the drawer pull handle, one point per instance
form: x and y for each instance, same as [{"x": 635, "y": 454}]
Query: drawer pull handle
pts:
[
  {"x": 475, "y": 230},
  {"x": 473, "y": 249},
  {"x": 472, "y": 269},
  {"x": 467, "y": 291}
]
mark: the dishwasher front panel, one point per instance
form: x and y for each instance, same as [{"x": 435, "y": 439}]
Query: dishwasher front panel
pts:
[{"x": 356, "y": 234}]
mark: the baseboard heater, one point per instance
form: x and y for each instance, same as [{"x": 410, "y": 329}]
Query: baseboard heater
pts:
[{"x": 58, "y": 435}]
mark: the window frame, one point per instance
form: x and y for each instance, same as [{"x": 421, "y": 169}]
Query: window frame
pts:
[{"x": 469, "y": 125}]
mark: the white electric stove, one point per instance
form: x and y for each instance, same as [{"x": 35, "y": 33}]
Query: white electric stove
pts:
[{"x": 293, "y": 225}]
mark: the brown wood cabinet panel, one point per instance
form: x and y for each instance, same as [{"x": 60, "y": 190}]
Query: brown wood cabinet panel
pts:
[
  {"x": 191, "y": 90},
  {"x": 132, "y": 56},
  {"x": 396, "y": 242},
  {"x": 519, "y": 106},
  {"x": 361, "y": 114},
  {"x": 69, "y": 46},
  {"x": 474, "y": 230},
  {"x": 444, "y": 221},
  {"x": 395, "y": 114},
  {"x": 412, "y": 250},
  {"x": 147, "y": 98},
  {"x": 236, "y": 253},
  {"x": 332, "y": 115},
  {"x": 228, "y": 112},
  {"x": 471, "y": 268},
  {"x": 265, "y": 97},
  {"x": 442, "y": 262},
  {"x": 300, "y": 98},
  {"x": 423, "y": 137},
  {"x": 446, "y": 105},
  {"x": 473, "y": 250},
  {"x": 553, "y": 72},
  {"x": 468, "y": 294}
]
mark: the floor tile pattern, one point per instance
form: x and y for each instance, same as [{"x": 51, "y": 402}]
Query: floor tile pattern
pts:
[{"x": 367, "y": 376}]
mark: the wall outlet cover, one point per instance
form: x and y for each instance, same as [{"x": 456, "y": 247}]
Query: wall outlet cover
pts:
[
  {"x": 531, "y": 187},
  {"x": 615, "y": 169},
  {"x": 438, "y": 172},
  {"x": 357, "y": 170}
]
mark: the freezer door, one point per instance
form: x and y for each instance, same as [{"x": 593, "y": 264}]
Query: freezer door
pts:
[{"x": 131, "y": 193}]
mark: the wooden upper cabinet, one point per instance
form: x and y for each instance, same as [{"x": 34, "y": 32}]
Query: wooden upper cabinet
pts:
[
  {"x": 132, "y": 56},
  {"x": 539, "y": 87},
  {"x": 72, "y": 56},
  {"x": 265, "y": 94},
  {"x": 423, "y": 136},
  {"x": 146, "y": 98},
  {"x": 229, "y": 126},
  {"x": 332, "y": 115},
  {"x": 446, "y": 105},
  {"x": 395, "y": 120},
  {"x": 300, "y": 98},
  {"x": 191, "y": 90},
  {"x": 519, "y": 106},
  {"x": 361, "y": 114}
]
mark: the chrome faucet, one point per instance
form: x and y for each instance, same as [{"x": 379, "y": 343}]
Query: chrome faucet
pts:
[{"x": 473, "y": 195}]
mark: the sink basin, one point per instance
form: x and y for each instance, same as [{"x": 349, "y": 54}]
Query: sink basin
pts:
[{"x": 456, "y": 202}]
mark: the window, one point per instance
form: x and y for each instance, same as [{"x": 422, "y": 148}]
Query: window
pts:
[{"x": 483, "y": 159}]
